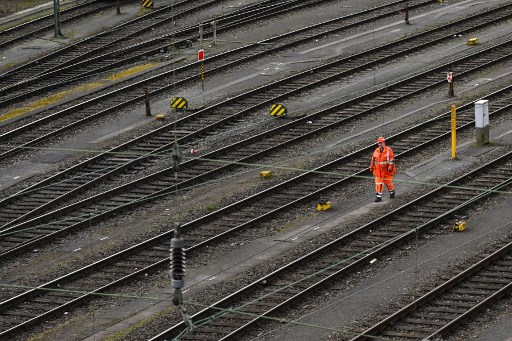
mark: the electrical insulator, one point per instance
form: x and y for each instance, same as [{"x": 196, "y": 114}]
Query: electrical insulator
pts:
[{"x": 178, "y": 260}]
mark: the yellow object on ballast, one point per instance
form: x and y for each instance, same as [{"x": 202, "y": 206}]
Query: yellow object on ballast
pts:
[
  {"x": 459, "y": 226},
  {"x": 266, "y": 174},
  {"x": 160, "y": 117},
  {"x": 323, "y": 206},
  {"x": 473, "y": 41}
]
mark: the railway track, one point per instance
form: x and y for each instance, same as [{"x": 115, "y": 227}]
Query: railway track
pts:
[
  {"x": 239, "y": 312},
  {"x": 59, "y": 188},
  {"x": 116, "y": 55},
  {"x": 26, "y": 308},
  {"x": 131, "y": 92},
  {"x": 46, "y": 23},
  {"x": 24, "y": 235},
  {"x": 104, "y": 50},
  {"x": 440, "y": 311}
]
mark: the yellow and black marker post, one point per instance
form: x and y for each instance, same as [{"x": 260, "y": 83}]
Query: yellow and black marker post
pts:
[
  {"x": 147, "y": 3},
  {"x": 179, "y": 103},
  {"x": 278, "y": 110}
]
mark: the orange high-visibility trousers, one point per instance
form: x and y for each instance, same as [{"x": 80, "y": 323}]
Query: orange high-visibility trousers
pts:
[{"x": 379, "y": 185}]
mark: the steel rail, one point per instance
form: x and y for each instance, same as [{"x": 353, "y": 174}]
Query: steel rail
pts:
[
  {"x": 253, "y": 303},
  {"x": 158, "y": 149},
  {"x": 441, "y": 292},
  {"x": 90, "y": 116},
  {"x": 47, "y": 22},
  {"x": 72, "y": 289},
  {"x": 161, "y": 183},
  {"x": 138, "y": 29},
  {"x": 91, "y": 45},
  {"x": 48, "y": 81}
]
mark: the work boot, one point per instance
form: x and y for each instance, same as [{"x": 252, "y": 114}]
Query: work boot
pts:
[
  {"x": 392, "y": 194},
  {"x": 378, "y": 199}
]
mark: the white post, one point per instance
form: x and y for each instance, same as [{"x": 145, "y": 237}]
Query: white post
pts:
[{"x": 482, "y": 122}]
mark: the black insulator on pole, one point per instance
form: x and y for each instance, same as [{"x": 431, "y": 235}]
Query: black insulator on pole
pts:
[{"x": 178, "y": 259}]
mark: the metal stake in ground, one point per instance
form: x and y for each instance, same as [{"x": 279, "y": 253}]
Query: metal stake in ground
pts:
[
  {"x": 56, "y": 15},
  {"x": 148, "y": 107},
  {"x": 449, "y": 78}
]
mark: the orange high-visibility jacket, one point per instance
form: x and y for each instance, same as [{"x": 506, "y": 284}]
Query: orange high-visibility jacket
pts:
[{"x": 383, "y": 163}]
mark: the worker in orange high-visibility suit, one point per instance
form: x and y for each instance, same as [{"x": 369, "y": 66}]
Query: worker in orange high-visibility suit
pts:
[{"x": 383, "y": 167}]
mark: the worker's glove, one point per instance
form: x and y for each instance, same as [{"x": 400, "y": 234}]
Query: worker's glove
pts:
[
  {"x": 371, "y": 169},
  {"x": 390, "y": 169}
]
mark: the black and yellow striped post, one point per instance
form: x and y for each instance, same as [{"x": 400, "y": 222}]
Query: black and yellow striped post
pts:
[
  {"x": 147, "y": 3},
  {"x": 277, "y": 110},
  {"x": 179, "y": 103}
]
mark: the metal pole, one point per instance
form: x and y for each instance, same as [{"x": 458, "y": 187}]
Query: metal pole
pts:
[
  {"x": 453, "y": 109},
  {"x": 451, "y": 93},
  {"x": 56, "y": 14},
  {"x": 200, "y": 35},
  {"x": 148, "y": 106},
  {"x": 118, "y": 6}
]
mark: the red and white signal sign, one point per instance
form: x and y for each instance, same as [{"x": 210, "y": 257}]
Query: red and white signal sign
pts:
[
  {"x": 449, "y": 77},
  {"x": 200, "y": 55}
]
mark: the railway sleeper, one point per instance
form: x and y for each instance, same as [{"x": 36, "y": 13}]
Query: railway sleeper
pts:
[
  {"x": 261, "y": 304},
  {"x": 431, "y": 322},
  {"x": 20, "y": 313},
  {"x": 10, "y": 215},
  {"x": 377, "y": 239},
  {"x": 395, "y": 228},
  {"x": 505, "y": 263},
  {"x": 223, "y": 323},
  {"x": 48, "y": 301},
  {"x": 385, "y": 234},
  {"x": 37, "y": 306},
  {"x": 445, "y": 310},
  {"x": 482, "y": 286},
  {"x": 462, "y": 298},
  {"x": 286, "y": 289},
  {"x": 134, "y": 265},
  {"x": 431, "y": 210},
  {"x": 493, "y": 280},
  {"x": 403, "y": 334},
  {"x": 434, "y": 205},
  {"x": 252, "y": 309},
  {"x": 410, "y": 219},
  {"x": 444, "y": 303},
  {"x": 11, "y": 320},
  {"x": 506, "y": 268},
  {"x": 450, "y": 202},
  {"x": 417, "y": 330},
  {"x": 500, "y": 274},
  {"x": 117, "y": 271},
  {"x": 471, "y": 292},
  {"x": 15, "y": 239},
  {"x": 488, "y": 182},
  {"x": 434, "y": 316},
  {"x": 423, "y": 214}
]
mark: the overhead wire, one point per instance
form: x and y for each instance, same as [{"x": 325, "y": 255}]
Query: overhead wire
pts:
[
  {"x": 281, "y": 320},
  {"x": 276, "y": 166},
  {"x": 402, "y": 272},
  {"x": 311, "y": 171},
  {"x": 287, "y": 168}
]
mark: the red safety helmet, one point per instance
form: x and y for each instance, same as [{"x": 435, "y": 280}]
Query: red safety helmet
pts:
[{"x": 381, "y": 139}]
